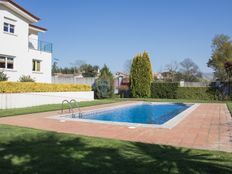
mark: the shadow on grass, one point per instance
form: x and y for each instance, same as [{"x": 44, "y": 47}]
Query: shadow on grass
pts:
[{"x": 52, "y": 153}]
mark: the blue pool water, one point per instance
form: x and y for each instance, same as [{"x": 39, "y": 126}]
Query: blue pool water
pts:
[{"x": 143, "y": 114}]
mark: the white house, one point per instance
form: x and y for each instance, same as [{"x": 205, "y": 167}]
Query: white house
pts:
[{"x": 21, "y": 51}]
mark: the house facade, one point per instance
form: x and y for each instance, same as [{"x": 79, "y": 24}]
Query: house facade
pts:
[{"x": 21, "y": 51}]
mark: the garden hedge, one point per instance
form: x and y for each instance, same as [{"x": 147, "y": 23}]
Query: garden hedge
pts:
[
  {"x": 164, "y": 90},
  {"x": 196, "y": 93},
  {"x": 173, "y": 91},
  {"x": 21, "y": 87}
]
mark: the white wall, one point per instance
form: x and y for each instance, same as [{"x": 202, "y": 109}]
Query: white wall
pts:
[
  {"x": 73, "y": 80},
  {"x": 33, "y": 38},
  {"x": 45, "y": 65},
  {"x": 17, "y": 46},
  {"x": 20, "y": 100}
]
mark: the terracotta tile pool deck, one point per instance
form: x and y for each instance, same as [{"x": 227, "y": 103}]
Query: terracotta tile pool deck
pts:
[{"x": 209, "y": 127}]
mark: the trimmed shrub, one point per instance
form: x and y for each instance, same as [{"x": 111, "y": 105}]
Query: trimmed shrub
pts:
[
  {"x": 196, "y": 93},
  {"x": 164, "y": 90},
  {"x": 141, "y": 76},
  {"x": 173, "y": 91},
  {"x": 104, "y": 85},
  {"x": 26, "y": 79},
  {"x": 3, "y": 77},
  {"x": 19, "y": 87}
]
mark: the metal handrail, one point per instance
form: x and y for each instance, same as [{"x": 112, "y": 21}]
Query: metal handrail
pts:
[
  {"x": 77, "y": 106},
  {"x": 70, "y": 107},
  {"x": 39, "y": 45}
]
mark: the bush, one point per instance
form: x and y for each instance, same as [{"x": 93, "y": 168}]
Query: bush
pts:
[
  {"x": 3, "y": 77},
  {"x": 19, "y": 87},
  {"x": 196, "y": 93},
  {"x": 173, "y": 91},
  {"x": 141, "y": 76},
  {"x": 104, "y": 85},
  {"x": 164, "y": 90},
  {"x": 26, "y": 79}
]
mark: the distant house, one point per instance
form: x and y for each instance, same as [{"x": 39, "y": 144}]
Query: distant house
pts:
[
  {"x": 158, "y": 76},
  {"x": 21, "y": 51},
  {"x": 120, "y": 80}
]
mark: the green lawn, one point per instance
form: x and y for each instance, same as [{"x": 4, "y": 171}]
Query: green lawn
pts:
[
  {"x": 229, "y": 105},
  {"x": 30, "y": 151},
  {"x": 54, "y": 107}
]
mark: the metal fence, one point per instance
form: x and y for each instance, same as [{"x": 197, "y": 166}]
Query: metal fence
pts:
[{"x": 40, "y": 45}]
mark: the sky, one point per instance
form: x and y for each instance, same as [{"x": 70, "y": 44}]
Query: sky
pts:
[{"x": 113, "y": 31}]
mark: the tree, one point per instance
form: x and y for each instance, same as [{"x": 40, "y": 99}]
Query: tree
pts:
[
  {"x": 172, "y": 70},
  {"x": 104, "y": 85},
  {"x": 88, "y": 70},
  {"x": 55, "y": 68},
  {"x": 190, "y": 70},
  {"x": 141, "y": 76},
  {"x": 3, "y": 77},
  {"x": 221, "y": 53},
  {"x": 76, "y": 65},
  {"x": 127, "y": 66},
  {"x": 228, "y": 69},
  {"x": 68, "y": 70}
]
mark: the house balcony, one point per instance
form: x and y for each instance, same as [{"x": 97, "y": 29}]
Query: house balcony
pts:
[{"x": 40, "y": 45}]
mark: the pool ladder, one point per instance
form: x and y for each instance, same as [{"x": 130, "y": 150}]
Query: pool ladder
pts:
[{"x": 71, "y": 107}]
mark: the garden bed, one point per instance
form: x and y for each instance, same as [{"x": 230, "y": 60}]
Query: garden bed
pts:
[{"x": 24, "y": 87}]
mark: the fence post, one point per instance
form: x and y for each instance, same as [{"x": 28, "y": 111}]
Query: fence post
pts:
[{"x": 182, "y": 83}]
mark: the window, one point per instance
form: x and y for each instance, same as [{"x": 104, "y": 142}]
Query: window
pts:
[
  {"x": 12, "y": 28},
  {"x": 10, "y": 63},
  {"x": 6, "y": 27},
  {"x": 6, "y": 62},
  {"x": 36, "y": 65},
  {"x": 2, "y": 62},
  {"x": 9, "y": 28}
]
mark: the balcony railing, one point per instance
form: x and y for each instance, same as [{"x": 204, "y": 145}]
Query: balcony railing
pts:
[{"x": 40, "y": 45}]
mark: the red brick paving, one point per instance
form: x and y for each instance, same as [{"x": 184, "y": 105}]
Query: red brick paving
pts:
[{"x": 207, "y": 127}]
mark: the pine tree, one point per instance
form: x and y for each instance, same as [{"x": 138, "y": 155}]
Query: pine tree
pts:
[
  {"x": 104, "y": 85},
  {"x": 141, "y": 76}
]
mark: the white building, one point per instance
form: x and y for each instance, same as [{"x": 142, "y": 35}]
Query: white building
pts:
[{"x": 21, "y": 51}]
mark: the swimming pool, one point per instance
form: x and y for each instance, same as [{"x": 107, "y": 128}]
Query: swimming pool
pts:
[{"x": 144, "y": 113}]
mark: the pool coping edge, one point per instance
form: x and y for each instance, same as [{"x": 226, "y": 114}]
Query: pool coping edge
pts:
[{"x": 167, "y": 125}]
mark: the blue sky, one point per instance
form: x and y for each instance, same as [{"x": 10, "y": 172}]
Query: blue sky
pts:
[{"x": 113, "y": 31}]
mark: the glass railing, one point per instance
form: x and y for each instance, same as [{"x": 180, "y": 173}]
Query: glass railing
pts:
[{"x": 40, "y": 45}]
